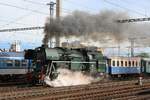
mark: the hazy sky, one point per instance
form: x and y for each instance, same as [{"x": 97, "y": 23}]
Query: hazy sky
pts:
[{"x": 26, "y": 13}]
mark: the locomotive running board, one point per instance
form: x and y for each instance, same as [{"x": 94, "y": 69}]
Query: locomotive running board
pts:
[{"x": 77, "y": 62}]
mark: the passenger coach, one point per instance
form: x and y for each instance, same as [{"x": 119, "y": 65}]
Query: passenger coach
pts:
[
  {"x": 124, "y": 66},
  {"x": 13, "y": 65},
  {"x": 146, "y": 65}
]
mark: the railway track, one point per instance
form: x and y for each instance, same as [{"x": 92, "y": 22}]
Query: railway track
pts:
[
  {"x": 13, "y": 87},
  {"x": 18, "y": 88},
  {"x": 5, "y": 90},
  {"x": 104, "y": 93},
  {"x": 125, "y": 90},
  {"x": 11, "y": 83}
]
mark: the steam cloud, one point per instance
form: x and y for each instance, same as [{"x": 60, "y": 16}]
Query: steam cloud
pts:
[
  {"x": 68, "y": 78},
  {"x": 94, "y": 26}
]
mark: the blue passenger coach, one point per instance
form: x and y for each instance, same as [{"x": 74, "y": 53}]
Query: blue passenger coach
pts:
[
  {"x": 119, "y": 66},
  {"x": 13, "y": 64},
  {"x": 146, "y": 65}
]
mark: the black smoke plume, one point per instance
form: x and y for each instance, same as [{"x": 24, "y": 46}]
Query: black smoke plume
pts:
[{"x": 93, "y": 26}]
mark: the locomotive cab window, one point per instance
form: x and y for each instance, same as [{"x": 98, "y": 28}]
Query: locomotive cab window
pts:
[
  {"x": 148, "y": 63},
  {"x": 90, "y": 57},
  {"x": 93, "y": 56}
]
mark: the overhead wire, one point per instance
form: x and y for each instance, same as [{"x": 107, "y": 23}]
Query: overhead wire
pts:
[
  {"x": 81, "y": 5},
  {"x": 92, "y": 9},
  {"x": 33, "y": 2},
  {"x": 19, "y": 18},
  {"x": 39, "y": 3},
  {"x": 136, "y": 4},
  {"x": 23, "y": 16},
  {"x": 15, "y": 21},
  {"x": 10, "y": 22},
  {"x": 141, "y": 8},
  {"x": 22, "y": 8},
  {"x": 119, "y": 6},
  {"x": 43, "y": 4}
]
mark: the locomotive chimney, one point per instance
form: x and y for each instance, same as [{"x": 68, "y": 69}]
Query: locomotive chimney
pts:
[{"x": 44, "y": 45}]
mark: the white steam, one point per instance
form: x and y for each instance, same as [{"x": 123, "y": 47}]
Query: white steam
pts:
[{"x": 68, "y": 78}]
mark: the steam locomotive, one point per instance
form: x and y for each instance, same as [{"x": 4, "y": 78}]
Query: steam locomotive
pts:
[{"x": 46, "y": 61}]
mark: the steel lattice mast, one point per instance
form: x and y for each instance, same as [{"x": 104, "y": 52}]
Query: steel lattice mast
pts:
[
  {"x": 133, "y": 20},
  {"x": 22, "y": 29}
]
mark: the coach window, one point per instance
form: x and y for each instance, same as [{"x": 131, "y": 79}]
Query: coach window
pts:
[
  {"x": 129, "y": 63},
  {"x": 136, "y": 63},
  {"x": 9, "y": 63},
  {"x": 139, "y": 63},
  {"x": 24, "y": 63},
  {"x": 133, "y": 64},
  {"x": 121, "y": 63},
  {"x": 113, "y": 63},
  {"x": 109, "y": 62},
  {"x": 125, "y": 63},
  {"x": 1, "y": 63},
  {"x": 117, "y": 63},
  {"x": 17, "y": 63}
]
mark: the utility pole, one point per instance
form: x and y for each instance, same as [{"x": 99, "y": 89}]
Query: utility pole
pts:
[
  {"x": 57, "y": 9},
  {"x": 132, "y": 41},
  {"x": 57, "y": 39},
  {"x": 119, "y": 47},
  {"x": 51, "y": 9}
]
